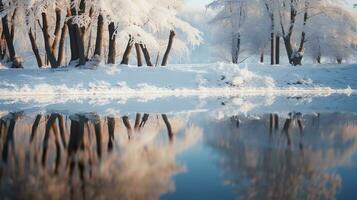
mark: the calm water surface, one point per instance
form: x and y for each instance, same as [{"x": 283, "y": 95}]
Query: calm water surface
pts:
[{"x": 178, "y": 155}]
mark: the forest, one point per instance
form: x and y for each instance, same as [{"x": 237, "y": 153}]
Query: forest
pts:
[{"x": 58, "y": 33}]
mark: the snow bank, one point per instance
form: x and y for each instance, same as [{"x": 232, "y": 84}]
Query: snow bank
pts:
[{"x": 204, "y": 80}]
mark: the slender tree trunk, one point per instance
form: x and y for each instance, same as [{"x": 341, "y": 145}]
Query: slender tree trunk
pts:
[
  {"x": 72, "y": 37},
  {"x": 111, "y": 127},
  {"x": 298, "y": 58},
  {"x": 112, "y": 50},
  {"x": 35, "y": 127},
  {"x": 80, "y": 36},
  {"x": 98, "y": 137},
  {"x": 35, "y": 49},
  {"x": 46, "y": 37},
  {"x": 57, "y": 31},
  {"x": 125, "y": 59},
  {"x": 318, "y": 59},
  {"x": 13, "y": 24},
  {"x": 80, "y": 45},
  {"x": 236, "y": 48},
  {"x": 89, "y": 44},
  {"x": 61, "y": 44},
  {"x": 288, "y": 48},
  {"x": 138, "y": 55},
  {"x": 339, "y": 60},
  {"x": 137, "y": 121},
  {"x": 169, "y": 128},
  {"x": 146, "y": 55},
  {"x": 157, "y": 59},
  {"x": 272, "y": 42},
  {"x": 168, "y": 49},
  {"x": 99, "y": 39},
  {"x": 277, "y": 50},
  {"x": 2, "y": 46},
  {"x": 126, "y": 123},
  {"x": 7, "y": 34}
]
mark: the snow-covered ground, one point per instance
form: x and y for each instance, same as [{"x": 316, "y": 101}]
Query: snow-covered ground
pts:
[
  {"x": 223, "y": 89},
  {"x": 204, "y": 80}
]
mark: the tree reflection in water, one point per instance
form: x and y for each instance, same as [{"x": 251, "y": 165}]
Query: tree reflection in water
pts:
[
  {"x": 263, "y": 160},
  {"x": 86, "y": 156}
]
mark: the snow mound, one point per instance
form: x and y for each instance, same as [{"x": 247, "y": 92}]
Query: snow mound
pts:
[{"x": 245, "y": 78}]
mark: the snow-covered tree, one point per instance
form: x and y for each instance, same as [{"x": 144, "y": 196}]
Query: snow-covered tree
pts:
[
  {"x": 144, "y": 24},
  {"x": 231, "y": 16},
  {"x": 292, "y": 20},
  {"x": 334, "y": 37}
]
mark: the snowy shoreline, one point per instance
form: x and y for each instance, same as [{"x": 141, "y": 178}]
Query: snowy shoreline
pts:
[{"x": 204, "y": 80}]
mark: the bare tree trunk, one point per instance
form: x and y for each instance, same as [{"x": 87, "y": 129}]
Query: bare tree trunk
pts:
[
  {"x": 46, "y": 37},
  {"x": 168, "y": 49},
  {"x": 7, "y": 34},
  {"x": 99, "y": 39},
  {"x": 3, "y": 46},
  {"x": 35, "y": 127},
  {"x": 112, "y": 50},
  {"x": 50, "y": 126},
  {"x": 80, "y": 45},
  {"x": 146, "y": 55},
  {"x": 318, "y": 59},
  {"x": 98, "y": 137},
  {"x": 298, "y": 58},
  {"x": 287, "y": 35},
  {"x": 90, "y": 30},
  {"x": 272, "y": 34},
  {"x": 288, "y": 48},
  {"x": 61, "y": 44},
  {"x": 236, "y": 48},
  {"x": 277, "y": 50},
  {"x": 144, "y": 120},
  {"x": 272, "y": 42},
  {"x": 128, "y": 126},
  {"x": 89, "y": 44},
  {"x": 125, "y": 59},
  {"x": 169, "y": 128},
  {"x": 35, "y": 49},
  {"x": 9, "y": 140},
  {"x": 111, "y": 127},
  {"x": 138, "y": 55},
  {"x": 157, "y": 59},
  {"x": 57, "y": 31},
  {"x": 72, "y": 37},
  {"x": 62, "y": 128},
  {"x": 137, "y": 121},
  {"x": 13, "y": 24},
  {"x": 80, "y": 36}
]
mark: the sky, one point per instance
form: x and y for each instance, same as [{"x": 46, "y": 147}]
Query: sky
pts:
[
  {"x": 197, "y": 2},
  {"x": 205, "y": 2}
]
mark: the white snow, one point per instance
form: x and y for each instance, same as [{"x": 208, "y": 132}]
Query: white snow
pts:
[{"x": 204, "y": 80}]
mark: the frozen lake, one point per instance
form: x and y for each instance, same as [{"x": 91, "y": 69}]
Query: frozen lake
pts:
[{"x": 258, "y": 147}]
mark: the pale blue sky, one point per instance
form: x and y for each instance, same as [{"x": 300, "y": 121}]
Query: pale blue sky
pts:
[
  {"x": 197, "y": 2},
  {"x": 205, "y": 2}
]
